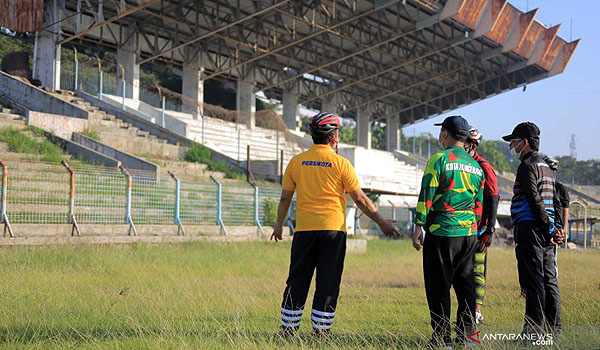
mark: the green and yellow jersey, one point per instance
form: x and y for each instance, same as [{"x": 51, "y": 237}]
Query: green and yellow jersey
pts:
[{"x": 451, "y": 194}]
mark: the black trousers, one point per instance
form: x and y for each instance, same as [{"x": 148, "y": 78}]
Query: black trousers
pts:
[
  {"x": 538, "y": 276},
  {"x": 448, "y": 261},
  {"x": 324, "y": 251}
]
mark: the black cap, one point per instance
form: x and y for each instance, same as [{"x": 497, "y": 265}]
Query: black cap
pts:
[
  {"x": 525, "y": 130},
  {"x": 456, "y": 126}
]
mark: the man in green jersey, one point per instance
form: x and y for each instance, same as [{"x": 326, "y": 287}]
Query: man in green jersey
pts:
[{"x": 449, "y": 207}]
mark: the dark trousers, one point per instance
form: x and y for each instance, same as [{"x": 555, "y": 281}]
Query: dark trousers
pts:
[
  {"x": 538, "y": 276},
  {"x": 448, "y": 261},
  {"x": 324, "y": 251}
]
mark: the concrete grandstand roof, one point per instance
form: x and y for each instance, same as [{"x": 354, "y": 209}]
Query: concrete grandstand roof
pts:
[{"x": 407, "y": 58}]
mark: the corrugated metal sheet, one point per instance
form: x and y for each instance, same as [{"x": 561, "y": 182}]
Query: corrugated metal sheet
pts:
[
  {"x": 504, "y": 24},
  {"x": 22, "y": 15}
]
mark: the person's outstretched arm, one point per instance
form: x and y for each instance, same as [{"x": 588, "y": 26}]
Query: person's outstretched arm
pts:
[{"x": 366, "y": 206}]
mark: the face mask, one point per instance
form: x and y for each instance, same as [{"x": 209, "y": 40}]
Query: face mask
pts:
[{"x": 513, "y": 152}]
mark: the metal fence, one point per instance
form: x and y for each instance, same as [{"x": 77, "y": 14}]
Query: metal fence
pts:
[{"x": 42, "y": 193}]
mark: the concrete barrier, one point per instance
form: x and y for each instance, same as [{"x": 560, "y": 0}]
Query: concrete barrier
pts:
[
  {"x": 129, "y": 161},
  {"x": 27, "y": 234},
  {"x": 57, "y": 124},
  {"x": 82, "y": 152},
  {"x": 36, "y": 99}
]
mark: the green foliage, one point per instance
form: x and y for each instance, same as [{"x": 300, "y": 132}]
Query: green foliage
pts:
[
  {"x": 20, "y": 143},
  {"x": 270, "y": 211},
  {"x": 424, "y": 145},
  {"x": 378, "y": 136},
  {"x": 35, "y": 130},
  {"x": 489, "y": 151},
  {"x": 200, "y": 154},
  {"x": 582, "y": 172},
  {"x": 91, "y": 133},
  {"x": 17, "y": 43}
]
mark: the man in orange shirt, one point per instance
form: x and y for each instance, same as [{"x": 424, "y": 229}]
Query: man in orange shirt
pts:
[{"x": 321, "y": 178}]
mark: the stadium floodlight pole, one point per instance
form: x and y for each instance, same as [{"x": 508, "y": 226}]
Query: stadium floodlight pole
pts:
[
  {"x": 72, "y": 220},
  {"x": 3, "y": 217},
  {"x": 177, "y": 218},
  {"x": 219, "y": 205},
  {"x": 584, "y": 205},
  {"x": 128, "y": 219}
]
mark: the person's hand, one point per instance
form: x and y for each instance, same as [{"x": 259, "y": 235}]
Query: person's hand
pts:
[
  {"x": 486, "y": 240},
  {"x": 558, "y": 236},
  {"x": 486, "y": 237},
  {"x": 417, "y": 238},
  {"x": 277, "y": 233},
  {"x": 389, "y": 229}
]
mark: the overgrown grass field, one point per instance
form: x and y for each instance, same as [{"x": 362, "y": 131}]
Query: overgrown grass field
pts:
[{"x": 227, "y": 296}]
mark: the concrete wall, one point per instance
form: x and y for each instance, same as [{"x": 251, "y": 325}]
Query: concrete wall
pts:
[
  {"x": 27, "y": 234},
  {"x": 129, "y": 161},
  {"x": 137, "y": 121},
  {"x": 84, "y": 153},
  {"x": 36, "y": 99},
  {"x": 57, "y": 124}
]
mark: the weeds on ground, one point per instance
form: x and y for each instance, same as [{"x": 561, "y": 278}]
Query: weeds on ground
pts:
[
  {"x": 200, "y": 154},
  {"x": 19, "y": 142},
  {"x": 91, "y": 133}
]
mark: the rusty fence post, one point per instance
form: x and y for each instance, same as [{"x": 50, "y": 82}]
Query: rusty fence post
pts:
[
  {"x": 75, "y": 228},
  {"x": 128, "y": 219}
]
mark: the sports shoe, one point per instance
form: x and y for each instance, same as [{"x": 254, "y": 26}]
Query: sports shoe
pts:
[{"x": 478, "y": 317}]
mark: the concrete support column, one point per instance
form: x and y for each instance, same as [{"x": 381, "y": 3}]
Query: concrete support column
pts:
[
  {"x": 126, "y": 57},
  {"x": 47, "y": 55},
  {"x": 363, "y": 128},
  {"x": 193, "y": 88},
  {"x": 291, "y": 110},
  {"x": 393, "y": 133},
  {"x": 329, "y": 104},
  {"x": 246, "y": 102}
]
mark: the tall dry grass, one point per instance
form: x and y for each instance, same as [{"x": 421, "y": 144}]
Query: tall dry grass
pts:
[{"x": 227, "y": 296}]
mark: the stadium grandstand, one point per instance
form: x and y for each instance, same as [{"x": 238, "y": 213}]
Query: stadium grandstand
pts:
[{"x": 396, "y": 62}]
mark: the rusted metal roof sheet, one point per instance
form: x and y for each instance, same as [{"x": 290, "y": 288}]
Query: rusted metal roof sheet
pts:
[
  {"x": 531, "y": 37},
  {"x": 564, "y": 57},
  {"x": 490, "y": 17},
  {"x": 552, "y": 53},
  {"x": 504, "y": 24},
  {"x": 543, "y": 44},
  {"x": 22, "y": 15},
  {"x": 470, "y": 12}
]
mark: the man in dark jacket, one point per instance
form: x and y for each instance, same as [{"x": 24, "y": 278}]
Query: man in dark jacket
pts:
[{"x": 533, "y": 216}]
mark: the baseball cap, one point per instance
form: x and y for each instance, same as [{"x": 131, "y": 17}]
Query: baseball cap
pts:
[
  {"x": 456, "y": 125},
  {"x": 523, "y": 130}
]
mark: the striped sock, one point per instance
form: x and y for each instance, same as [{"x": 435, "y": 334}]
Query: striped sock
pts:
[
  {"x": 291, "y": 318},
  {"x": 322, "y": 321}
]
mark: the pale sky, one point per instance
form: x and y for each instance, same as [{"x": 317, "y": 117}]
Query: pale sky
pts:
[{"x": 562, "y": 105}]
